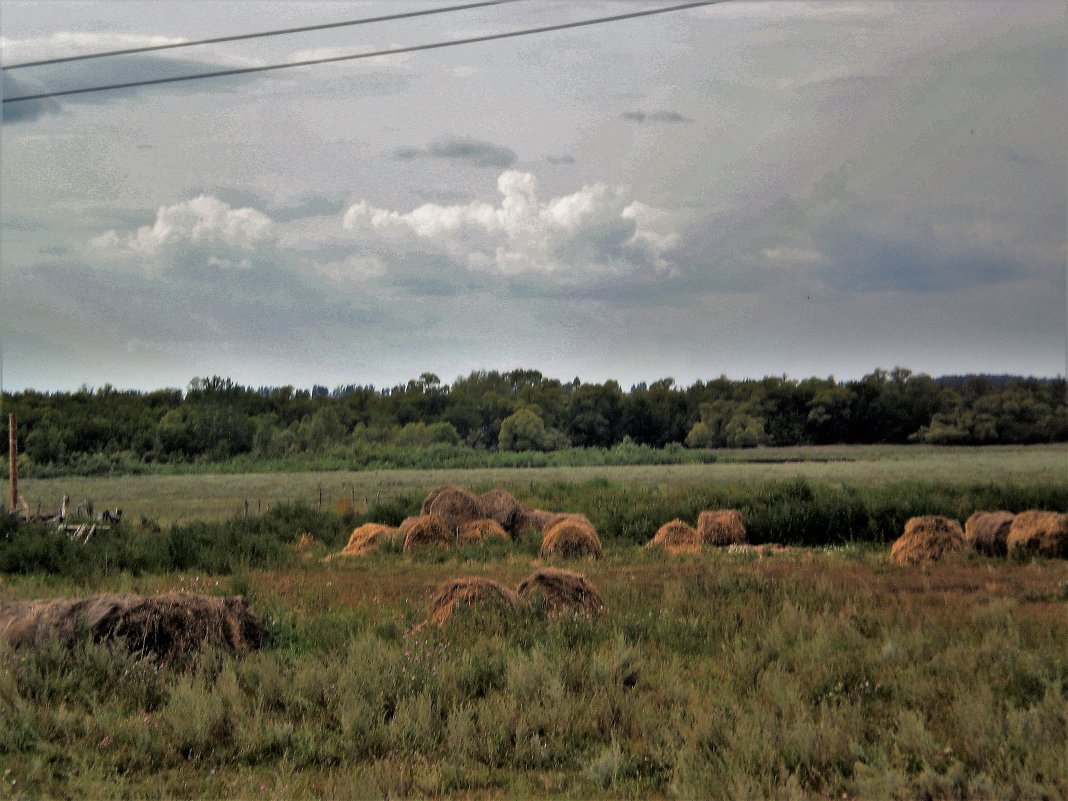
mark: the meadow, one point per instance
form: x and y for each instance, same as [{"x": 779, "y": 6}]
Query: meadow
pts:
[
  {"x": 212, "y": 496},
  {"x": 822, "y": 671}
]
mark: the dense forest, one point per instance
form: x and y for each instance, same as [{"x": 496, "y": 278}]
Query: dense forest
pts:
[{"x": 215, "y": 420}]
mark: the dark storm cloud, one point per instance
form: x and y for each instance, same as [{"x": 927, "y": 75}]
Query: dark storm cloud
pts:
[
  {"x": 655, "y": 116},
  {"x": 459, "y": 148}
]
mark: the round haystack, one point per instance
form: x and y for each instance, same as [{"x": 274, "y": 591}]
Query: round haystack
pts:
[
  {"x": 721, "y": 527},
  {"x": 456, "y": 506},
  {"x": 556, "y": 592},
  {"x": 1044, "y": 533},
  {"x": 434, "y": 493},
  {"x": 469, "y": 594},
  {"x": 168, "y": 626},
  {"x": 428, "y": 530},
  {"x": 676, "y": 537},
  {"x": 475, "y": 531},
  {"x": 406, "y": 524},
  {"x": 988, "y": 532},
  {"x": 500, "y": 505},
  {"x": 367, "y": 538},
  {"x": 927, "y": 539},
  {"x": 533, "y": 520},
  {"x": 571, "y": 539}
]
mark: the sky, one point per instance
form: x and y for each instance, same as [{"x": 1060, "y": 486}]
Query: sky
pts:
[{"x": 748, "y": 189}]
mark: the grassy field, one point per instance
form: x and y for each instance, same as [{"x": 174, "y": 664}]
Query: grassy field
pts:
[
  {"x": 201, "y": 497},
  {"x": 817, "y": 672},
  {"x": 809, "y": 674}
]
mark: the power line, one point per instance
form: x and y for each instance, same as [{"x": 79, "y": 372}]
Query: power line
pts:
[
  {"x": 414, "y": 48},
  {"x": 262, "y": 34}
]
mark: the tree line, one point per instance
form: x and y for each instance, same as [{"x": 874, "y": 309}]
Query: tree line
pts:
[{"x": 215, "y": 419}]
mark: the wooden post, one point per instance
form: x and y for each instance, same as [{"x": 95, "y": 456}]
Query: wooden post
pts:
[
  {"x": 246, "y": 508},
  {"x": 257, "y": 506},
  {"x": 320, "y": 496},
  {"x": 13, "y": 462}
]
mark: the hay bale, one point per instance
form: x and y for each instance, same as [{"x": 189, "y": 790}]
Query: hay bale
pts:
[
  {"x": 500, "y": 505},
  {"x": 676, "y": 537},
  {"x": 406, "y": 523},
  {"x": 721, "y": 527},
  {"x": 169, "y": 626},
  {"x": 434, "y": 493},
  {"x": 471, "y": 594},
  {"x": 428, "y": 530},
  {"x": 988, "y": 532},
  {"x": 571, "y": 538},
  {"x": 533, "y": 520},
  {"x": 556, "y": 592},
  {"x": 456, "y": 506},
  {"x": 1044, "y": 533},
  {"x": 367, "y": 538},
  {"x": 475, "y": 531},
  {"x": 927, "y": 539}
]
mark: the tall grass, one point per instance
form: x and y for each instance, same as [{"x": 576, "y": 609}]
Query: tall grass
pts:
[{"x": 707, "y": 678}]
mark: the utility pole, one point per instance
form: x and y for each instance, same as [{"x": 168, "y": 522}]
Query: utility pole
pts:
[{"x": 13, "y": 463}]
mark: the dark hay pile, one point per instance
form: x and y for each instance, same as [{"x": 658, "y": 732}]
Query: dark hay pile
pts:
[
  {"x": 434, "y": 493},
  {"x": 533, "y": 520},
  {"x": 472, "y": 594},
  {"x": 475, "y": 531},
  {"x": 168, "y": 626},
  {"x": 571, "y": 539},
  {"x": 721, "y": 527},
  {"x": 988, "y": 532},
  {"x": 500, "y": 505},
  {"x": 455, "y": 506},
  {"x": 406, "y": 524},
  {"x": 676, "y": 537},
  {"x": 555, "y": 593},
  {"x": 1043, "y": 533},
  {"x": 367, "y": 538},
  {"x": 428, "y": 530},
  {"x": 927, "y": 539}
]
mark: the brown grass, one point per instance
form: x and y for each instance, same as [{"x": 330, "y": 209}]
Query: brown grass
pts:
[
  {"x": 365, "y": 539},
  {"x": 428, "y": 530},
  {"x": 500, "y": 505},
  {"x": 557, "y": 592},
  {"x": 721, "y": 527},
  {"x": 988, "y": 532},
  {"x": 676, "y": 537},
  {"x": 927, "y": 539},
  {"x": 571, "y": 538},
  {"x": 765, "y": 549},
  {"x": 170, "y": 625},
  {"x": 1044, "y": 533},
  {"x": 470, "y": 593},
  {"x": 475, "y": 531},
  {"x": 455, "y": 506}
]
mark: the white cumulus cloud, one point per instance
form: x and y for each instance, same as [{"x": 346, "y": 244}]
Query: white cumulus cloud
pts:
[
  {"x": 597, "y": 229},
  {"x": 202, "y": 220}
]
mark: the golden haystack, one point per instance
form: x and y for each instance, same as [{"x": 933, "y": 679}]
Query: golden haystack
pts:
[
  {"x": 168, "y": 626},
  {"x": 475, "y": 531},
  {"x": 406, "y": 524},
  {"x": 367, "y": 538},
  {"x": 1044, "y": 533},
  {"x": 988, "y": 532},
  {"x": 473, "y": 593},
  {"x": 428, "y": 530},
  {"x": 721, "y": 527},
  {"x": 555, "y": 592},
  {"x": 456, "y": 506},
  {"x": 927, "y": 539},
  {"x": 676, "y": 537},
  {"x": 500, "y": 505},
  {"x": 571, "y": 538}
]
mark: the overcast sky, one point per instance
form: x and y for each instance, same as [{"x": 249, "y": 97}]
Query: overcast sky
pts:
[{"x": 751, "y": 188}]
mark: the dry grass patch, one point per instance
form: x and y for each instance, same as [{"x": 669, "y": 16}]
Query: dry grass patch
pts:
[{"x": 927, "y": 539}]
